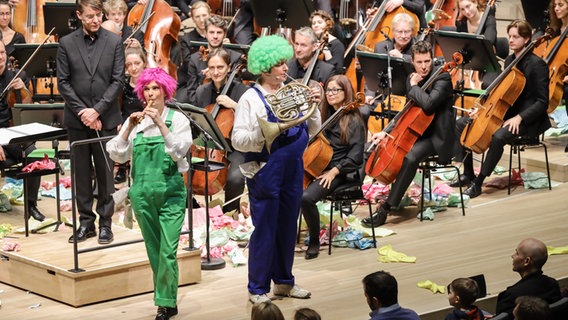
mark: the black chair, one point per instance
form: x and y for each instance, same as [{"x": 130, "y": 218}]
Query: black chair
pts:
[
  {"x": 429, "y": 165},
  {"x": 521, "y": 144},
  {"x": 501, "y": 316},
  {"x": 559, "y": 309},
  {"x": 347, "y": 193},
  {"x": 502, "y": 47}
]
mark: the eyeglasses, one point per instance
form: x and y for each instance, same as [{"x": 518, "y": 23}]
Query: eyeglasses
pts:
[{"x": 333, "y": 91}]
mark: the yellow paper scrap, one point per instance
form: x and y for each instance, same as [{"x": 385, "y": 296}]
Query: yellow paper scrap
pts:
[
  {"x": 427, "y": 284},
  {"x": 556, "y": 250},
  {"x": 387, "y": 254}
]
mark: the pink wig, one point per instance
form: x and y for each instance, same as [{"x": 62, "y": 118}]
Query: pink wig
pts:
[{"x": 162, "y": 79}]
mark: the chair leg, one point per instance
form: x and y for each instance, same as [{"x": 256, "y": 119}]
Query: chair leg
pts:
[
  {"x": 461, "y": 191},
  {"x": 547, "y": 165},
  {"x": 510, "y": 166},
  {"x": 299, "y": 228},
  {"x": 371, "y": 217},
  {"x": 422, "y": 195},
  {"x": 330, "y": 226}
]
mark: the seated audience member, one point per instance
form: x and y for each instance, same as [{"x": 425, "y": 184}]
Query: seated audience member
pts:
[
  {"x": 531, "y": 308},
  {"x": 306, "y": 314},
  {"x": 528, "y": 259},
  {"x": 266, "y": 311},
  {"x": 381, "y": 291},
  {"x": 462, "y": 293}
]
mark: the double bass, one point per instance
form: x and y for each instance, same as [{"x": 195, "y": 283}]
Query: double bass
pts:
[
  {"x": 224, "y": 117},
  {"x": 494, "y": 103},
  {"x": 28, "y": 20},
  {"x": 160, "y": 32},
  {"x": 385, "y": 161},
  {"x": 369, "y": 34},
  {"x": 319, "y": 152}
]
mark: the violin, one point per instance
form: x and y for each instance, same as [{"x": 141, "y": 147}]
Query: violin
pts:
[
  {"x": 224, "y": 117},
  {"x": 495, "y": 102},
  {"x": 319, "y": 152},
  {"x": 160, "y": 32},
  {"x": 368, "y": 35},
  {"x": 385, "y": 161},
  {"x": 557, "y": 61}
]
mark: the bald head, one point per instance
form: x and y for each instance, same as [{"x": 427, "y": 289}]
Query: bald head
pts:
[{"x": 534, "y": 249}]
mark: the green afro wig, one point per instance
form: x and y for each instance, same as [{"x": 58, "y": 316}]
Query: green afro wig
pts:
[{"x": 266, "y": 52}]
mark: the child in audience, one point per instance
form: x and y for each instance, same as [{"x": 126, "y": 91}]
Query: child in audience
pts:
[
  {"x": 306, "y": 314},
  {"x": 266, "y": 311},
  {"x": 462, "y": 293}
]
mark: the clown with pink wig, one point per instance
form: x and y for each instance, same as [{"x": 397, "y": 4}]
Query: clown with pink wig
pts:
[{"x": 157, "y": 139}]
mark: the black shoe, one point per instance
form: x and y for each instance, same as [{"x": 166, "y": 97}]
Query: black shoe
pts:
[
  {"x": 379, "y": 218},
  {"x": 473, "y": 191},
  {"x": 120, "y": 175},
  {"x": 313, "y": 251},
  {"x": 83, "y": 233},
  {"x": 164, "y": 313},
  {"x": 462, "y": 181},
  {"x": 34, "y": 213},
  {"x": 566, "y": 148},
  {"x": 105, "y": 235}
]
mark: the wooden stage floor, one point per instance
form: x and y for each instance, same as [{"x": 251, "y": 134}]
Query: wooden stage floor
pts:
[{"x": 451, "y": 246}]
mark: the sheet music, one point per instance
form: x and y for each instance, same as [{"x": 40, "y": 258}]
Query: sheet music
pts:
[{"x": 30, "y": 129}]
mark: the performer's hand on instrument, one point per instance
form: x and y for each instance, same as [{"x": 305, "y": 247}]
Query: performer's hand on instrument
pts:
[
  {"x": 393, "y": 4},
  {"x": 565, "y": 80},
  {"x": 415, "y": 78},
  {"x": 377, "y": 137},
  {"x": 316, "y": 93},
  {"x": 513, "y": 124},
  {"x": 473, "y": 112},
  {"x": 395, "y": 53},
  {"x": 135, "y": 118},
  {"x": 327, "y": 177},
  {"x": 14, "y": 3},
  {"x": 226, "y": 102},
  {"x": 17, "y": 84},
  {"x": 2, "y": 154},
  {"x": 371, "y": 11},
  {"x": 132, "y": 43},
  {"x": 142, "y": 2}
]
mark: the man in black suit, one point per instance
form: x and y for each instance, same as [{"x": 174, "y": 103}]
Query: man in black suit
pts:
[
  {"x": 90, "y": 74},
  {"x": 528, "y": 259},
  {"x": 305, "y": 45},
  {"x": 437, "y": 139},
  {"x": 215, "y": 32},
  {"x": 526, "y": 117}
]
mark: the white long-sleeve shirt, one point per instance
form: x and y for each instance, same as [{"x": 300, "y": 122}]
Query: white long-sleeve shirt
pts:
[
  {"x": 247, "y": 135},
  {"x": 177, "y": 142}
]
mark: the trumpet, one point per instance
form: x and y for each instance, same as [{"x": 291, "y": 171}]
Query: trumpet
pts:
[{"x": 291, "y": 104}]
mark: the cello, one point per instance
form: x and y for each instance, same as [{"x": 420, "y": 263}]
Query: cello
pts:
[
  {"x": 443, "y": 13},
  {"x": 160, "y": 32},
  {"x": 224, "y": 117},
  {"x": 369, "y": 34},
  {"x": 409, "y": 124},
  {"x": 557, "y": 61},
  {"x": 495, "y": 102},
  {"x": 319, "y": 152},
  {"x": 224, "y": 8}
]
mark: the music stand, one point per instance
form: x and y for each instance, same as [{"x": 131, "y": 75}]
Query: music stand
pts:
[
  {"x": 282, "y": 13},
  {"x": 205, "y": 133},
  {"x": 42, "y": 65},
  {"x": 61, "y": 16},
  {"x": 478, "y": 53},
  {"x": 375, "y": 67}
]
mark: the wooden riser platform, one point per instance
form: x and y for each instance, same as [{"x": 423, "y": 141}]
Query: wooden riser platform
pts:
[{"x": 44, "y": 263}]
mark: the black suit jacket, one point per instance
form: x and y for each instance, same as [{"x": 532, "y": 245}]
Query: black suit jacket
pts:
[
  {"x": 535, "y": 284},
  {"x": 533, "y": 101},
  {"x": 387, "y": 45},
  {"x": 322, "y": 71},
  {"x": 90, "y": 85},
  {"x": 206, "y": 93},
  {"x": 437, "y": 100}
]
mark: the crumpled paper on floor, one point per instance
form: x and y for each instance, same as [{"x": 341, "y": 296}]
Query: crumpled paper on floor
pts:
[
  {"x": 556, "y": 250},
  {"x": 352, "y": 238},
  {"x": 503, "y": 182},
  {"x": 11, "y": 246},
  {"x": 355, "y": 223},
  {"x": 5, "y": 230},
  {"x": 64, "y": 193},
  {"x": 535, "y": 180},
  {"x": 387, "y": 254},
  {"x": 427, "y": 284}
]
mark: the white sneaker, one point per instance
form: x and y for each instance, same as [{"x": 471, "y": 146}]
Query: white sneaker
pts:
[
  {"x": 291, "y": 291},
  {"x": 258, "y": 298}
]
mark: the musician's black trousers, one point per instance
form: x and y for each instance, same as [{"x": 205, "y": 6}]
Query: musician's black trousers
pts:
[{"x": 13, "y": 156}]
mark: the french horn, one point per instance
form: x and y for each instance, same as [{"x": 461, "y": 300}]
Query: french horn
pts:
[{"x": 292, "y": 104}]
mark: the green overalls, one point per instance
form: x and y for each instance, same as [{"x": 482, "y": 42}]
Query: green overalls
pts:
[{"x": 158, "y": 197}]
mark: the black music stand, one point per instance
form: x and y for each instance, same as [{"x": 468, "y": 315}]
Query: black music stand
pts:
[
  {"x": 477, "y": 52},
  {"x": 282, "y": 13},
  {"x": 375, "y": 71},
  {"x": 61, "y": 16},
  {"x": 42, "y": 65},
  {"x": 206, "y": 134}
]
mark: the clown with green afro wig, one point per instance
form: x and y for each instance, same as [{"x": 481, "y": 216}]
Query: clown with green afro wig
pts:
[{"x": 267, "y": 52}]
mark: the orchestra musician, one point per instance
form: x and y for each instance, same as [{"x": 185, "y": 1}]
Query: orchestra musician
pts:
[
  {"x": 117, "y": 11},
  {"x": 469, "y": 18},
  {"x": 305, "y": 45},
  {"x": 526, "y": 117},
  {"x": 437, "y": 139},
  {"x": 8, "y": 35},
  {"x": 274, "y": 179},
  {"x": 219, "y": 65},
  {"x": 334, "y": 50},
  {"x": 347, "y": 138},
  {"x": 90, "y": 74},
  {"x": 216, "y": 30},
  {"x": 243, "y": 32},
  {"x": 414, "y": 6},
  {"x": 157, "y": 139},
  {"x": 12, "y": 154}
]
